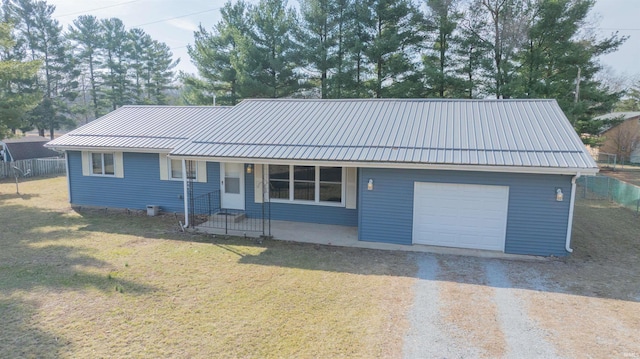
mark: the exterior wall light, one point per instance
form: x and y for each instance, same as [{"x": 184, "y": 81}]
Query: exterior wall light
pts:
[
  {"x": 559, "y": 195},
  {"x": 370, "y": 184},
  {"x": 249, "y": 168}
]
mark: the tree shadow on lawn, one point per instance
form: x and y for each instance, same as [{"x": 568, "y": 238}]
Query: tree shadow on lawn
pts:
[
  {"x": 20, "y": 338},
  {"x": 329, "y": 258},
  {"x": 273, "y": 252},
  {"x": 557, "y": 275},
  {"x": 23, "y": 196},
  {"x": 32, "y": 264},
  {"x": 604, "y": 263},
  {"x": 135, "y": 222}
]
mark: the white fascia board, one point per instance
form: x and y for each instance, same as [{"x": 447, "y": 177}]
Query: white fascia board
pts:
[
  {"x": 111, "y": 149},
  {"x": 401, "y": 165}
]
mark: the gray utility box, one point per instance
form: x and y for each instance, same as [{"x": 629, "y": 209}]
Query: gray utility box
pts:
[{"x": 152, "y": 210}]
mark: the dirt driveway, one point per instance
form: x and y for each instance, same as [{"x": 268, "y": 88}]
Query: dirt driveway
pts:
[{"x": 584, "y": 306}]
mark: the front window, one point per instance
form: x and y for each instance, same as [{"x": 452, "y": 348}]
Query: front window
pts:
[
  {"x": 176, "y": 169},
  {"x": 102, "y": 164},
  {"x": 304, "y": 186},
  {"x": 279, "y": 181},
  {"x": 315, "y": 184},
  {"x": 331, "y": 184}
]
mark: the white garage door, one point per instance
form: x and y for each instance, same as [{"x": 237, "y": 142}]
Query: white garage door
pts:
[{"x": 460, "y": 215}]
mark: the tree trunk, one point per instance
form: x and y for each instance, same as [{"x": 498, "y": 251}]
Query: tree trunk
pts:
[{"x": 94, "y": 91}]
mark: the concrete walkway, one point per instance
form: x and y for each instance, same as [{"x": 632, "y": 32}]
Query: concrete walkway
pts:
[{"x": 343, "y": 236}]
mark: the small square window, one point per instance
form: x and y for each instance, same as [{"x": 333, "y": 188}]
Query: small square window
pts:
[
  {"x": 176, "y": 169},
  {"x": 102, "y": 164}
]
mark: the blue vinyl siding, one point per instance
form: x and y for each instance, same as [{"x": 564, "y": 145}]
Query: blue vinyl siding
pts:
[
  {"x": 536, "y": 223},
  {"x": 300, "y": 212},
  {"x": 140, "y": 186}
]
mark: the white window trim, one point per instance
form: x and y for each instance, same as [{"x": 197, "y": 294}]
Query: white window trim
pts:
[
  {"x": 102, "y": 160},
  {"x": 315, "y": 202},
  {"x": 165, "y": 169},
  {"x": 170, "y": 174}
]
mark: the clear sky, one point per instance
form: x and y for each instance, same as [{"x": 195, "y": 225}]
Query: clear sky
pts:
[{"x": 174, "y": 21}]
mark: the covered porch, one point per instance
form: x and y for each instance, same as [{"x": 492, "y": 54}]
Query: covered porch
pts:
[
  {"x": 282, "y": 230},
  {"x": 345, "y": 236}
]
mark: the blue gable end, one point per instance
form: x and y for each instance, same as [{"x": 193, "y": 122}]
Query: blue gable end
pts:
[
  {"x": 536, "y": 223},
  {"x": 140, "y": 186}
]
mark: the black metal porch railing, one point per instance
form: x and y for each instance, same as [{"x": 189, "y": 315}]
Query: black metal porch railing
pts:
[{"x": 207, "y": 212}]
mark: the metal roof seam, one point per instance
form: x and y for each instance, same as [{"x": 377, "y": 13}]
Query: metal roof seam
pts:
[{"x": 486, "y": 132}]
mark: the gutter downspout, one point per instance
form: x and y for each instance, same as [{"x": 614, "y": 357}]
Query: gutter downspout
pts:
[
  {"x": 185, "y": 193},
  {"x": 567, "y": 245},
  {"x": 66, "y": 164}
]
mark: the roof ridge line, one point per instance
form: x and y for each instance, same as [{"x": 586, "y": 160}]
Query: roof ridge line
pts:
[
  {"x": 382, "y": 147},
  {"x": 394, "y": 99}
]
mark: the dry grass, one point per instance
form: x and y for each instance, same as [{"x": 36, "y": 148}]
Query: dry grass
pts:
[
  {"x": 469, "y": 308},
  {"x": 629, "y": 174},
  {"x": 590, "y": 301},
  {"x": 114, "y": 285},
  {"x": 97, "y": 284}
]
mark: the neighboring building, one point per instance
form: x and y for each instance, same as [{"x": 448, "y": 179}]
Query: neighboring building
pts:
[
  {"x": 623, "y": 139},
  {"x": 25, "y": 148},
  {"x": 486, "y": 174}
]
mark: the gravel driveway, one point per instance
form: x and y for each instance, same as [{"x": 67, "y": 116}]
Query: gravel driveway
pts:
[
  {"x": 586, "y": 305},
  {"x": 466, "y": 308}
]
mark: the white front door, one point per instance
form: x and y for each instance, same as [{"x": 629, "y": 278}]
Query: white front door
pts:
[{"x": 232, "y": 185}]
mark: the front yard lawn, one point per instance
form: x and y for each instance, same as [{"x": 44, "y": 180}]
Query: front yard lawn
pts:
[{"x": 95, "y": 284}]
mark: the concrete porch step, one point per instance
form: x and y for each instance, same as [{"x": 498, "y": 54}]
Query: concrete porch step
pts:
[{"x": 231, "y": 217}]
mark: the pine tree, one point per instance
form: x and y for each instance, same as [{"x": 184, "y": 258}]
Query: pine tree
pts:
[
  {"x": 319, "y": 25},
  {"x": 139, "y": 64},
  {"x": 159, "y": 74},
  {"x": 116, "y": 49},
  {"x": 442, "y": 20},
  {"x": 471, "y": 52},
  {"x": 336, "y": 83},
  {"x": 86, "y": 34},
  {"x": 218, "y": 58},
  {"x": 507, "y": 21},
  {"x": 14, "y": 102},
  {"x": 271, "y": 52},
  {"x": 355, "y": 68},
  {"x": 44, "y": 40},
  {"x": 393, "y": 46}
]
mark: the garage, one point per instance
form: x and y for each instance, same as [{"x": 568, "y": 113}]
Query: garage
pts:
[{"x": 460, "y": 215}]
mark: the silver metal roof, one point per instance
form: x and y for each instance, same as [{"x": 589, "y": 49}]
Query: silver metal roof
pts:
[
  {"x": 522, "y": 133},
  {"x": 614, "y": 115},
  {"x": 142, "y": 127},
  {"x": 624, "y": 116}
]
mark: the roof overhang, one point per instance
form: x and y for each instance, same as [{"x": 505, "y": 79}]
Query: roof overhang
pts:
[
  {"x": 110, "y": 149},
  {"x": 403, "y": 165}
]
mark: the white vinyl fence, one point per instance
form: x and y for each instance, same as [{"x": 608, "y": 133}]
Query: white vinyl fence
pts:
[{"x": 36, "y": 167}]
